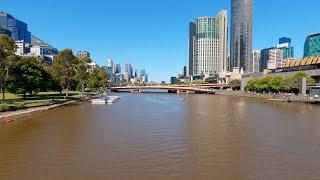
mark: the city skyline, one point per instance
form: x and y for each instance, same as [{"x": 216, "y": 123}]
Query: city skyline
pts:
[{"x": 171, "y": 50}]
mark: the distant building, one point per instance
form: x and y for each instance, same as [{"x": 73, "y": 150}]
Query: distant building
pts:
[
  {"x": 284, "y": 40},
  {"x": 117, "y": 68},
  {"x": 142, "y": 72},
  {"x": 136, "y": 73},
  {"x": 174, "y": 80},
  {"x": 275, "y": 59},
  {"x": 208, "y": 40},
  {"x": 241, "y": 34},
  {"x": 128, "y": 71},
  {"x": 110, "y": 69},
  {"x": 19, "y": 30},
  {"x": 185, "y": 73},
  {"x": 83, "y": 54},
  {"x": 22, "y": 48},
  {"x": 264, "y": 58},
  {"x": 312, "y": 45},
  {"x": 286, "y": 47},
  {"x": 255, "y": 64},
  {"x": 41, "y": 48}
]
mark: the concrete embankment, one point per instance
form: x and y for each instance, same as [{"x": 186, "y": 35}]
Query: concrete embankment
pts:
[
  {"x": 6, "y": 117},
  {"x": 285, "y": 97}
]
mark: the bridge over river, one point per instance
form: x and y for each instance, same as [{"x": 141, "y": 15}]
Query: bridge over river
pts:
[{"x": 203, "y": 88}]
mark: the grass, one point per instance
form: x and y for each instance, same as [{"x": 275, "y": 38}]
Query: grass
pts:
[{"x": 41, "y": 99}]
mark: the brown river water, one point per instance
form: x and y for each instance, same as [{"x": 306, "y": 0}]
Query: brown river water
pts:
[{"x": 162, "y": 136}]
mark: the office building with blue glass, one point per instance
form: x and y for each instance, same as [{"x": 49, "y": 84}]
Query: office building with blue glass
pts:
[
  {"x": 312, "y": 45},
  {"x": 18, "y": 29},
  {"x": 286, "y": 47}
]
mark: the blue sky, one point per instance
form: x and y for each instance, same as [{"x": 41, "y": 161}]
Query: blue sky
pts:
[{"x": 153, "y": 34}]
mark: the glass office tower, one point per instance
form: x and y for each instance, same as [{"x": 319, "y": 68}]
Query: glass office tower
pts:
[
  {"x": 241, "y": 34},
  {"x": 19, "y": 29},
  {"x": 312, "y": 45}
]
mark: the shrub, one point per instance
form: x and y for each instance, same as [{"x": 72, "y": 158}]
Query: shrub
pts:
[
  {"x": 19, "y": 105},
  {"x": 4, "y": 107}
]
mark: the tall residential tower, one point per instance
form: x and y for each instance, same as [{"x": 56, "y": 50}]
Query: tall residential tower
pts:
[
  {"x": 241, "y": 34},
  {"x": 208, "y": 41}
]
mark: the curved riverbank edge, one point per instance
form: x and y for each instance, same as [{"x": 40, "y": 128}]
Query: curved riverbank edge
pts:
[
  {"x": 6, "y": 117},
  {"x": 281, "y": 97}
]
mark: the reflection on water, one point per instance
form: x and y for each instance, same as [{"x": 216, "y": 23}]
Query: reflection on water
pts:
[{"x": 163, "y": 136}]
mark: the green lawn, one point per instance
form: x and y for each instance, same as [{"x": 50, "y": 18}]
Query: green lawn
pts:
[{"x": 41, "y": 99}]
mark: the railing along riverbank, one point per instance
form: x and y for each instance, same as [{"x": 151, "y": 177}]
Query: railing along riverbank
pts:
[{"x": 285, "y": 97}]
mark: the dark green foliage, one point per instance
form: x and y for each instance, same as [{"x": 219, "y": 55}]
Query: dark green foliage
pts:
[
  {"x": 28, "y": 77},
  {"x": 235, "y": 84},
  {"x": 4, "y": 107},
  {"x": 278, "y": 84}
]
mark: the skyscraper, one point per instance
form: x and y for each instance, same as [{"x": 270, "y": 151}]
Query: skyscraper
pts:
[
  {"x": 286, "y": 47},
  {"x": 241, "y": 33},
  {"x": 129, "y": 71},
  {"x": 142, "y": 72},
  {"x": 19, "y": 30},
  {"x": 208, "y": 45},
  {"x": 117, "y": 69},
  {"x": 312, "y": 45}
]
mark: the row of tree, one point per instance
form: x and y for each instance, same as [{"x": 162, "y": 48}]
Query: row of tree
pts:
[
  {"x": 279, "y": 84},
  {"x": 29, "y": 75}
]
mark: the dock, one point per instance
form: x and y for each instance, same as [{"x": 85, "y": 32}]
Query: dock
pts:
[{"x": 113, "y": 99}]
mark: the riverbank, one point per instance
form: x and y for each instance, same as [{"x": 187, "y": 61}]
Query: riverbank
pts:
[
  {"x": 282, "y": 97},
  {"x": 6, "y": 117}
]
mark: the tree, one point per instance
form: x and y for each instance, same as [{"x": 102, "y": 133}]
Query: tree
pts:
[
  {"x": 28, "y": 76},
  {"x": 293, "y": 82},
  {"x": 7, "y": 50},
  {"x": 82, "y": 74},
  {"x": 235, "y": 84},
  {"x": 64, "y": 69},
  {"x": 98, "y": 78}
]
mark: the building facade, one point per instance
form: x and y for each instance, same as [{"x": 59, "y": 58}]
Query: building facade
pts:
[
  {"x": 275, "y": 59},
  {"x": 312, "y": 45},
  {"x": 83, "y": 54},
  {"x": 286, "y": 47},
  {"x": 18, "y": 29},
  {"x": 208, "y": 45},
  {"x": 241, "y": 34},
  {"x": 5, "y": 31},
  {"x": 264, "y": 58},
  {"x": 255, "y": 64}
]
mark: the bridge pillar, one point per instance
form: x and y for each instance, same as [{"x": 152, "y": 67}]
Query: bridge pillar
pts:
[
  {"x": 303, "y": 86},
  {"x": 243, "y": 84}
]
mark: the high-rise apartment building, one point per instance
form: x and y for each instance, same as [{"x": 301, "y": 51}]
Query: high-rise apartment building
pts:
[
  {"x": 18, "y": 29},
  {"x": 275, "y": 59},
  {"x": 241, "y": 34},
  {"x": 208, "y": 45}
]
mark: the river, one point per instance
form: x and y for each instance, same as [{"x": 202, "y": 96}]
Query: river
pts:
[{"x": 165, "y": 136}]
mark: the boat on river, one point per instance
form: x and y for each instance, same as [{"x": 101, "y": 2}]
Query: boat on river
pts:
[{"x": 101, "y": 100}]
